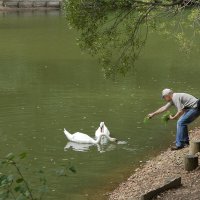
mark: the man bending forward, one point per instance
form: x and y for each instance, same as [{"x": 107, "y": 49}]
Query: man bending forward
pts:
[{"x": 188, "y": 110}]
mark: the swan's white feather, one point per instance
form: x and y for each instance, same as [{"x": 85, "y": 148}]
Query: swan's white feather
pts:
[
  {"x": 81, "y": 138},
  {"x": 105, "y": 131},
  {"x": 102, "y": 129},
  {"x": 84, "y": 138}
]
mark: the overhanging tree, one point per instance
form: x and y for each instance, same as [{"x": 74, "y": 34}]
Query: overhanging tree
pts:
[{"x": 116, "y": 31}]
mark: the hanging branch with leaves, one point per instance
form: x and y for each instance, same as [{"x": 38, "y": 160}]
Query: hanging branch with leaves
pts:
[{"x": 116, "y": 31}]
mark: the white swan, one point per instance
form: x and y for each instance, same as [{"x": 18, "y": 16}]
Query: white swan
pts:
[
  {"x": 102, "y": 129},
  {"x": 85, "y": 139}
]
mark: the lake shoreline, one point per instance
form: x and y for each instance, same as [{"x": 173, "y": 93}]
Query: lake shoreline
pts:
[
  {"x": 168, "y": 164},
  {"x": 9, "y": 9}
]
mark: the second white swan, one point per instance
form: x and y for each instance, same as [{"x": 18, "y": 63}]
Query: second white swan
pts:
[
  {"x": 85, "y": 139},
  {"x": 102, "y": 129}
]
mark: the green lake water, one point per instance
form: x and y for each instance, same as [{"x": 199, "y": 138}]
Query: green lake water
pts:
[{"x": 46, "y": 84}]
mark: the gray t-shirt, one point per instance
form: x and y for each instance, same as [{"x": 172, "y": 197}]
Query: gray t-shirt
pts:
[{"x": 183, "y": 101}]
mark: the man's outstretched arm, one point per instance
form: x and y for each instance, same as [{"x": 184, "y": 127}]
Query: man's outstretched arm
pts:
[
  {"x": 160, "y": 110},
  {"x": 177, "y": 115}
]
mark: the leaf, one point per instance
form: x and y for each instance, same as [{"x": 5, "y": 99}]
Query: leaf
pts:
[
  {"x": 20, "y": 188},
  {"x": 10, "y": 156},
  {"x": 146, "y": 119},
  {"x": 10, "y": 178},
  {"x": 17, "y": 188},
  {"x": 3, "y": 177},
  {"x": 19, "y": 180},
  {"x": 22, "y": 155},
  {"x": 72, "y": 169},
  {"x": 4, "y": 180},
  {"x": 2, "y": 162},
  {"x": 27, "y": 193}
]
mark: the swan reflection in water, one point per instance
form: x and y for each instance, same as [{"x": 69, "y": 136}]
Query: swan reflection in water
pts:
[
  {"x": 85, "y": 147},
  {"x": 77, "y": 146}
]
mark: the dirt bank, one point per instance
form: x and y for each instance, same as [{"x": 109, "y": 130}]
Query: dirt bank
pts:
[{"x": 168, "y": 164}]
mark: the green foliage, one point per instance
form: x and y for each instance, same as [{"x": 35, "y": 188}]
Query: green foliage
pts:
[
  {"x": 72, "y": 169},
  {"x": 22, "y": 155},
  {"x": 14, "y": 185},
  {"x": 146, "y": 119},
  {"x": 116, "y": 31},
  {"x": 165, "y": 117}
]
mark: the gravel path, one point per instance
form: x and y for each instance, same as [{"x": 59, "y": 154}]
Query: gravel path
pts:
[{"x": 167, "y": 165}]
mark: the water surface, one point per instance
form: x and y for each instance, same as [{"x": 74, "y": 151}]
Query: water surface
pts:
[{"x": 47, "y": 84}]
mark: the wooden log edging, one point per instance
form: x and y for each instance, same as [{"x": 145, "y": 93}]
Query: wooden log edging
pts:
[
  {"x": 190, "y": 162},
  {"x": 170, "y": 184},
  {"x": 194, "y": 147}
]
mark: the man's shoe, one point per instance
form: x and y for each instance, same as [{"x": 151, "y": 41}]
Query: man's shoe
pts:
[
  {"x": 187, "y": 143},
  {"x": 175, "y": 148}
]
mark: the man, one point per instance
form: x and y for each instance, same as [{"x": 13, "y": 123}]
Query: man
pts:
[{"x": 188, "y": 110}]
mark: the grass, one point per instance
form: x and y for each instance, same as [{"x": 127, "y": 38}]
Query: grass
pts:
[
  {"x": 165, "y": 117},
  {"x": 146, "y": 119}
]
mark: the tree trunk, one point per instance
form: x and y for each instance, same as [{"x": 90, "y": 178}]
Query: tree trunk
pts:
[
  {"x": 194, "y": 147},
  {"x": 190, "y": 162}
]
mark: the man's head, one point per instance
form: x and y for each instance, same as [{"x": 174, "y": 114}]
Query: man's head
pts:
[{"x": 167, "y": 94}]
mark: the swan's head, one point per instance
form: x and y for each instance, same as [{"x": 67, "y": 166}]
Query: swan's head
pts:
[
  {"x": 113, "y": 139},
  {"x": 102, "y": 126}
]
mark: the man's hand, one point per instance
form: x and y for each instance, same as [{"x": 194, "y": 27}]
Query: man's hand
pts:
[
  {"x": 150, "y": 115},
  {"x": 171, "y": 117},
  {"x": 177, "y": 115}
]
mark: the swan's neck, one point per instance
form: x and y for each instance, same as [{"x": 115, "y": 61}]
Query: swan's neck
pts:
[
  {"x": 100, "y": 136},
  {"x": 68, "y": 135}
]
